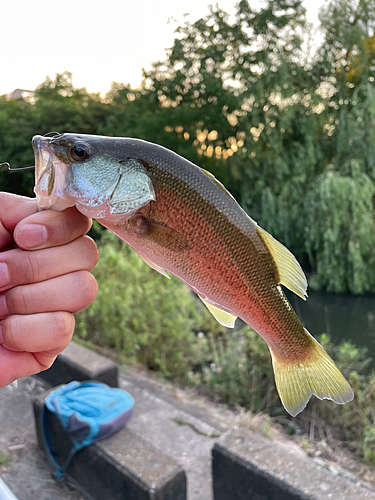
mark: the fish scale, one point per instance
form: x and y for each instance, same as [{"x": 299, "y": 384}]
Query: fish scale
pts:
[{"x": 180, "y": 219}]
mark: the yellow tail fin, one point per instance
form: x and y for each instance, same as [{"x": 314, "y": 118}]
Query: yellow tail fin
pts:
[{"x": 319, "y": 375}]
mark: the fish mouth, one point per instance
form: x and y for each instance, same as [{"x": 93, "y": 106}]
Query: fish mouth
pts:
[
  {"x": 51, "y": 176},
  {"x": 43, "y": 163}
]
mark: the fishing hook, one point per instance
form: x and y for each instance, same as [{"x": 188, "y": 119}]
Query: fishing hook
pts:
[
  {"x": 6, "y": 164},
  {"x": 52, "y": 134}
]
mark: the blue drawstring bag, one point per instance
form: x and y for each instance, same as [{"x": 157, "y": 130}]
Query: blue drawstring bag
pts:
[{"x": 88, "y": 411}]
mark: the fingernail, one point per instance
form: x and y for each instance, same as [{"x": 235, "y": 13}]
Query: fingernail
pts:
[
  {"x": 32, "y": 235},
  {"x": 1, "y": 334},
  {"x": 4, "y": 275},
  {"x": 3, "y": 307}
]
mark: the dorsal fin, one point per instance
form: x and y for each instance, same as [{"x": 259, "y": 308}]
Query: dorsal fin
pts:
[
  {"x": 290, "y": 272},
  {"x": 218, "y": 183},
  {"x": 223, "y": 317}
]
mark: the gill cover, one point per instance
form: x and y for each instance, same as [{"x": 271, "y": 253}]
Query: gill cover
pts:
[{"x": 105, "y": 187}]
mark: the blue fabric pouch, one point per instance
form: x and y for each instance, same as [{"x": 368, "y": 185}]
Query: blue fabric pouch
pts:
[{"x": 88, "y": 411}]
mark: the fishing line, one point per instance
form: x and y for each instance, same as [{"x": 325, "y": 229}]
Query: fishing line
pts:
[{"x": 6, "y": 164}]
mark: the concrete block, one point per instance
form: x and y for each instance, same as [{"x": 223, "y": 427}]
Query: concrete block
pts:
[
  {"x": 78, "y": 363},
  {"x": 246, "y": 466},
  {"x": 121, "y": 467}
]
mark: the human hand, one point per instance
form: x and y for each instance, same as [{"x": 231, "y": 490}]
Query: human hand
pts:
[{"x": 45, "y": 259}]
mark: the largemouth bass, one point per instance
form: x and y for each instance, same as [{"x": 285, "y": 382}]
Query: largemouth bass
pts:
[{"x": 181, "y": 220}]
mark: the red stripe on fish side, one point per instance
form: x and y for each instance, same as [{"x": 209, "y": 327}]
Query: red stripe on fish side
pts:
[
  {"x": 233, "y": 269},
  {"x": 240, "y": 267}
]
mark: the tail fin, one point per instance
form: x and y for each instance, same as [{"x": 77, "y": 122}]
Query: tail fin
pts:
[{"x": 318, "y": 375}]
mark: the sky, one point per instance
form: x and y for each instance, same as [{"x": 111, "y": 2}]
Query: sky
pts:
[{"x": 98, "y": 41}]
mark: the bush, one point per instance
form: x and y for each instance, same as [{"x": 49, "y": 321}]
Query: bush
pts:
[
  {"x": 140, "y": 314},
  {"x": 160, "y": 324},
  {"x": 354, "y": 422}
]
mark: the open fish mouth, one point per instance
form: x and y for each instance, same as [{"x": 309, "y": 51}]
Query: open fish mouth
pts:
[{"x": 51, "y": 176}]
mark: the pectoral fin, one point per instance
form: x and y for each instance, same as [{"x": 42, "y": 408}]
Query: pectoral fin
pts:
[
  {"x": 153, "y": 266},
  {"x": 223, "y": 317},
  {"x": 290, "y": 272},
  {"x": 161, "y": 234}
]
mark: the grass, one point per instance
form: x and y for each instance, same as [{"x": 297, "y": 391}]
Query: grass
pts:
[{"x": 145, "y": 319}]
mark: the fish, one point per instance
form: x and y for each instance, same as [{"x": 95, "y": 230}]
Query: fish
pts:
[{"x": 181, "y": 220}]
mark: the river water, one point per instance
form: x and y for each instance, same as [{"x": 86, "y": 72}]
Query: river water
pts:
[{"x": 343, "y": 317}]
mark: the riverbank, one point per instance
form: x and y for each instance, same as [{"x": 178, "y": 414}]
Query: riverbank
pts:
[
  {"x": 309, "y": 434},
  {"x": 178, "y": 422},
  {"x": 146, "y": 320}
]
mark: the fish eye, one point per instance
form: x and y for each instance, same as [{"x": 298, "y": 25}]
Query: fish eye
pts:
[{"x": 79, "y": 151}]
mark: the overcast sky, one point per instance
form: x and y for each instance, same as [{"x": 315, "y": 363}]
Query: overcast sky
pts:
[{"x": 99, "y": 42}]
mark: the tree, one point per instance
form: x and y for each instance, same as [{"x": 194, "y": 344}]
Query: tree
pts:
[
  {"x": 341, "y": 241},
  {"x": 290, "y": 134},
  {"x": 237, "y": 98},
  {"x": 57, "y": 105},
  {"x": 16, "y": 131}
]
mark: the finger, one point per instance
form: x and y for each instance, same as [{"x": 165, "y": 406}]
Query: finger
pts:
[
  {"x": 13, "y": 209},
  {"x": 71, "y": 292},
  {"x": 46, "y": 332},
  {"x": 50, "y": 228},
  {"x": 17, "y": 363},
  {"x": 20, "y": 267}
]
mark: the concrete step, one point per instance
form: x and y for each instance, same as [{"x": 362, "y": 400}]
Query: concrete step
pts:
[
  {"x": 78, "y": 363},
  {"x": 246, "y": 466},
  {"x": 182, "y": 431},
  {"x": 193, "y": 435},
  {"x": 122, "y": 466}
]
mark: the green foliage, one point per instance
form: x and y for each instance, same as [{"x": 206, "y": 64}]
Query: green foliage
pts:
[
  {"x": 16, "y": 131},
  {"x": 57, "y": 105},
  {"x": 4, "y": 458},
  {"x": 290, "y": 133},
  {"x": 354, "y": 422},
  {"x": 140, "y": 314},
  {"x": 241, "y": 372},
  {"x": 158, "y": 323},
  {"x": 343, "y": 253},
  {"x": 369, "y": 443}
]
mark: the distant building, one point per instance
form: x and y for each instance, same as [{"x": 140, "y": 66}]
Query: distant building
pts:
[{"x": 28, "y": 95}]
